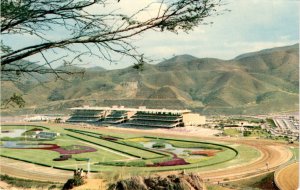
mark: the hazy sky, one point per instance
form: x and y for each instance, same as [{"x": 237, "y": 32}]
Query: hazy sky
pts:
[{"x": 251, "y": 25}]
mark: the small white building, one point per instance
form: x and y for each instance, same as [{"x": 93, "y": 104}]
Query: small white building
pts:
[
  {"x": 37, "y": 118},
  {"x": 193, "y": 119}
]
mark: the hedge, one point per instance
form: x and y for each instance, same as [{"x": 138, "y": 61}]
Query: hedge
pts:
[{"x": 127, "y": 164}]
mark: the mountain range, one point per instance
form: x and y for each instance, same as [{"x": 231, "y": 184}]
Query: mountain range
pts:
[{"x": 260, "y": 82}]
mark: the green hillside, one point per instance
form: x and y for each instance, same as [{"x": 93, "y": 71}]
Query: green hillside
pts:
[{"x": 260, "y": 82}]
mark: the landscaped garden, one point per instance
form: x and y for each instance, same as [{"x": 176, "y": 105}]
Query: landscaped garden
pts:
[{"x": 73, "y": 148}]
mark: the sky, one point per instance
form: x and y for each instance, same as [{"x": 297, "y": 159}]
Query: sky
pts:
[{"x": 250, "y": 25}]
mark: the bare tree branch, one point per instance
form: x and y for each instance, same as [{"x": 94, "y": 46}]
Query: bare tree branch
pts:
[{"x": 110, "y": 31}]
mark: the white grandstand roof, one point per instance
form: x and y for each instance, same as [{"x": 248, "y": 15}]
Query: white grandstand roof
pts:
[{"x": 143, "y": 109}]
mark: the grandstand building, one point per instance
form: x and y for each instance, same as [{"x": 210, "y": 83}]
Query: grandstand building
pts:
[
  {"x": 116, "y": 117},
  {"x": 136, "y": 117},
  {"x": 87, "y": 115}
]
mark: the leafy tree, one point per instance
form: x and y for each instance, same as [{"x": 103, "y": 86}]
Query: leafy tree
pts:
[
  {"x": 247, "y": 133},
  {"x": 100, "y": 33}
]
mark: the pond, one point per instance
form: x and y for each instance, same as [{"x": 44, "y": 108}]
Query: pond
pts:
[
  {"x": 23, "y": 144},
  {"x": 171, "y": 148},
  {"x": 12, "y": 133}
]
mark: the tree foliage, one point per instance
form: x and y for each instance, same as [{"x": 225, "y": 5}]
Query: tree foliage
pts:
[
  {"x": 81, "y": 31},
  {"x": 14, "y": 100}
]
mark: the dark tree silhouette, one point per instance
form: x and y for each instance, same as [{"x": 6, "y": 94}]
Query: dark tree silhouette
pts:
[{"x": 14, "y": 100}]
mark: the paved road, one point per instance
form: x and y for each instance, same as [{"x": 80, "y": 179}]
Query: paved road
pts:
[{"x": 288, "y": 177}]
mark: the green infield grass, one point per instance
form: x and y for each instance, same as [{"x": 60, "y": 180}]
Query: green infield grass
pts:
[{"x": 126, "y": 152}]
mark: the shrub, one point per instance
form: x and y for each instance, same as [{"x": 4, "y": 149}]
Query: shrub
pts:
[
  {"x": 69, "y": 184},
  {"x": 77, "y": 180},
  {"x": 62, "y": 158},
  {"x": 158, "y": 145},
  {"x": 246, "y": 133},
  {"x": 128, "y": 164},
  {"x": 81, "y": 159},
  {"x": 52, "y": 187}
]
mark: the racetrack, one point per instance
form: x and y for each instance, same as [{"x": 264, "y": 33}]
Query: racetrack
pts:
[
  {"x": 272, "y": 153},
  {"x": 288, "y": 177},
  {"x": 25, "y": 170}
]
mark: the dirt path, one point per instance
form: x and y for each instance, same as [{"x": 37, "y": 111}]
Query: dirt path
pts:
[
  {"x": 274, "y": 156},
  {"x": 31, "y": 171},
  {"x": 4, "y": 185},
  {"x": 288, "y": 177},
  {"x": 92, "y": 184}
]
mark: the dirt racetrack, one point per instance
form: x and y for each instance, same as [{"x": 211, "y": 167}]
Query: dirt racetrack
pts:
[
  {"x": 273, "y": 154},
  {"x": 288, "y": 177},
  {"x": 20, "y": 169}
]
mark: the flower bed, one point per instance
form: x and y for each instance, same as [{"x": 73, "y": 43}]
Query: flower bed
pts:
[
  {"x": 74, "y": 149},
  {"x": 204, "y": 152},
  {"x": 173, "y": 162}
]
